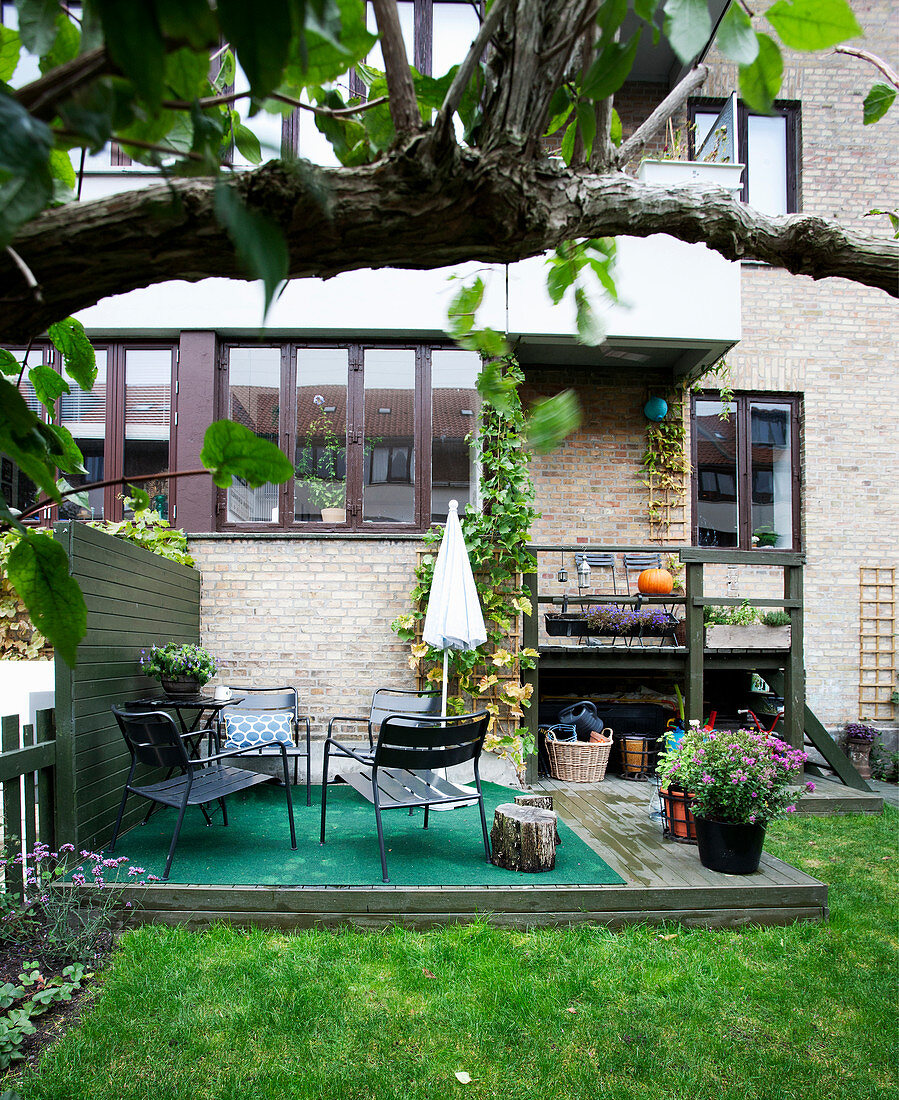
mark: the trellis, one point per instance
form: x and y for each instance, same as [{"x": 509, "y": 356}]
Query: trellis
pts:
[{"x": 877, "y": 641}]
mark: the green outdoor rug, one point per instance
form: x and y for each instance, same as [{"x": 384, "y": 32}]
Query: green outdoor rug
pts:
[{"x": 255, "y": 847}]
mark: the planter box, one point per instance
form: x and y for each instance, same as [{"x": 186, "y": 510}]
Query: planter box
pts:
[
  {"x": 670, "y": 173},
  {"x": 576, "y": 626},
  {"x": 756, "y": 636}
]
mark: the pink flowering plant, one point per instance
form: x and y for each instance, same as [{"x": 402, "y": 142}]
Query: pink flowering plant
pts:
[
  {"x": 736, "y": 776},
  {"x": 62, "y": 904}
]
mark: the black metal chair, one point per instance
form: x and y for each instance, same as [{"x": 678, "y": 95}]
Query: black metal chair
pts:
[
  {"x": 399, "y": 773},
  {"x": 272, "y": 712},
  {"x": 384, "y": 701},
  {"x": 153, "y": 739},
  {"x": 636, "y": 563}
]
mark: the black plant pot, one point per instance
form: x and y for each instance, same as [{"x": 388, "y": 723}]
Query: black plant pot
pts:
[
  {"x": 180, "y": 685},
  {"x": 729, "y": 847}
]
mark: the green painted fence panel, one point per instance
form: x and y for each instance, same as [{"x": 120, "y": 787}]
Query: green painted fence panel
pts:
[{"x": 134, "y": 599}]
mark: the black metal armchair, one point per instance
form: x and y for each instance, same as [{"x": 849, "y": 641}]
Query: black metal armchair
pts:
[
  {"x": 384, "y": 701},
  {"x": 265, "y": 717},
  {"x": 153, "y": 739},
  {"x": 399, "y": 773}
]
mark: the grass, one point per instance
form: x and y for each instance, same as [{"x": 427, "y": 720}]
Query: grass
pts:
[{"x": 658, "y": 1012}]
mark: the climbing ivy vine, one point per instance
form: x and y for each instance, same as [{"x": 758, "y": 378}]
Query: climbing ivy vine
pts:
[{"x": 496, "y": 536}]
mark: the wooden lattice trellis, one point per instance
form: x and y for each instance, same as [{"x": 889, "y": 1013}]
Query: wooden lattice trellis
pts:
[
  {"x": 667, "y": 489},
  {"x": 877, "y": 641}
]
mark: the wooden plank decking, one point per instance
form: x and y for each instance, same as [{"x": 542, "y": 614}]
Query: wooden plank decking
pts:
[{"x": 664, "y": 881}]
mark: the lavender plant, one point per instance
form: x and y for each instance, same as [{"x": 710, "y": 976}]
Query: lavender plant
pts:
[{"x": 859, "y": 731}]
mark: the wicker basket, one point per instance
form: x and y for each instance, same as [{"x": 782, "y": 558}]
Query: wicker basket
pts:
[{"x": 578, "y": 761}]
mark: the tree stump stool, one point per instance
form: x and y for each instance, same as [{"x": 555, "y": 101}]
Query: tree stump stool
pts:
[
  {"x": 544, "y": 801},
  {"x": 523, "y": 838}
]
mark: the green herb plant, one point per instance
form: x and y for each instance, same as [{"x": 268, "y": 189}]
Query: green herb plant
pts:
[
  {"x": 32, "y": 996},
  {"x": 744, "y": 615},
  {"x": 776, "y": 618}
]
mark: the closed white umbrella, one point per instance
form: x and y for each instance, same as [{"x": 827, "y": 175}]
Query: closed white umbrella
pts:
[{"x": 454, "y": 619}]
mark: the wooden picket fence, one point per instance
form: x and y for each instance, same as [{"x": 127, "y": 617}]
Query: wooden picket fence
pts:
[{"x": 27, "y": 793}]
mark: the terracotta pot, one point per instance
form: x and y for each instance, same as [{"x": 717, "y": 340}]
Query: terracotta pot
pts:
[
  {"x": 731, "y": 847},
  {"x": 859, "y": 753},
  {"x": 678, "y": 815},
  {"x": 333, "y": 515}
]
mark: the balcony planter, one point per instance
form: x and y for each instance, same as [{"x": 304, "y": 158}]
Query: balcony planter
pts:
[
  {"x": 671, "y": 173},
  {"x": 753, "y": 636},
  {"x": 578, "y": 626}
]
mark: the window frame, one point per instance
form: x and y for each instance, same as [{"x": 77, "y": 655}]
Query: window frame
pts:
[
  {"x": 355, "y": 451},
  {"x": 787, "y": 108},
  {"x": 741, "y": 403}
]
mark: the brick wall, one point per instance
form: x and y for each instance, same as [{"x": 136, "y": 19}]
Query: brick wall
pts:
[{"x": 312, "y": 613}]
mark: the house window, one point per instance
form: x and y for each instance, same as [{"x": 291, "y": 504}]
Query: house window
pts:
[
  {"x": 746, "y": 472},
  {"x": 767, "y": 145},
  {"x": 380, "y": 437}
]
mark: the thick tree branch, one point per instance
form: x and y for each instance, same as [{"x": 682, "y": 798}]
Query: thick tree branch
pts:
[
  {"x": 42, "y": 96},
  {"x": 406, "y": 212},
  {"x": 403, "y": 106},
  {"x": 669, "y": 106}
]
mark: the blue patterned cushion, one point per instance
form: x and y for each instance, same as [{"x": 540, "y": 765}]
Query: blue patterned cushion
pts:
[{"x": 247, "y": 730}]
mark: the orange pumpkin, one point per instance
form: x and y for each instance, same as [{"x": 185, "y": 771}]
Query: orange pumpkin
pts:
[{"x": 655, "y": 582}]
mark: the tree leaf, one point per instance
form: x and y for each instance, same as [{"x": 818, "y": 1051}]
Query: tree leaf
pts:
[
  {"x": 25, "y": 142},
  {"x": 21, "y": 199},
  {"x": 134, "y": 41},
  {"x": 260, "y": 35},
  {"x": 258, "y": 241},
  {"x": 760, "y": 82},
  {"x": 9, "y": 365},
  {"x": 48, "y": 385},
  {"x": 67, "y": 454},
  {"x": 568, "y": 137},
  {"x": 813, "y": 24},
  {"x": 230, "y": 450},
  {"x": 10, "y": 48},
  {"x": 736, "y": 39},
  {"x": 61, "y": 167},
  {"x": 37, "y": 24},
  {"x": 247, "y": 143},
  {"x": 138, "y": 499},
  {"x": 70, "y": 339},
  {"x": 610, "y": 70},
  {"x": 877, "y": 102},
  {"x": 687, "y": 27},
  {"x": 79, "y": 497},
  {"x": 615, "y": 131},
  {"x": 552, "y": 419},
  {"x": 38, "y": 570},
  {"x": 559, "y": 109},
  {"x": 192, "y": 20},
  {"x": 65, "y": 45},
  {"x": 590, "y": 330},
  {"x": 586, "y": 121}
]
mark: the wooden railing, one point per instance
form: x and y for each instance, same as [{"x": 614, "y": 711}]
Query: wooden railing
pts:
[{"x": 27, "y": 787}]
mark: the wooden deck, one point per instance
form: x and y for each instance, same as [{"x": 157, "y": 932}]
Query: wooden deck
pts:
[{"x": 664, "y": 881}]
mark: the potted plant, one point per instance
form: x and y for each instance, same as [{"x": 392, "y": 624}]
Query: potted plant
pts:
[
  {"x": 859, "y": 740},
  {"x": 321, "y": 465},
  {"x": 765, "y": 537},
  {"x": 739, "y": 780},
  {"x": 181, "y": 669},
  {"x": 744, "y": 627}
]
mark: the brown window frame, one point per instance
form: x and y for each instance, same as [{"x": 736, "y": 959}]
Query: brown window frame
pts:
[
  {"x": 421, "y": 445},
  {"x": 788, "y": 109},
  {"x": 740, "y": 406}
]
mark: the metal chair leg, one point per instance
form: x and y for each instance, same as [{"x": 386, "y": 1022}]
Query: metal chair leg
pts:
[
  {"x": 175, "y": 835},
  {"x": 324, "y": 789}
]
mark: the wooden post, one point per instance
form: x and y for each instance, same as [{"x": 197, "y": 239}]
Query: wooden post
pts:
[
  {"x": 530, "y": 628},
  {"x": 695, "y": 640},
  {"x": 794, "y": 673}
]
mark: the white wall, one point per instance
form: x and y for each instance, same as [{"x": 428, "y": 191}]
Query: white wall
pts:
[{"x": 26, "y": 687}]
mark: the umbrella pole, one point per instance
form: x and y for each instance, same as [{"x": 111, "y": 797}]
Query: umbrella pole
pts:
[{"x": 445, "y": 666}]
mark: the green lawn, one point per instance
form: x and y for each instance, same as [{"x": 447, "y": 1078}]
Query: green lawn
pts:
[{"x": 657, "y": 1012}]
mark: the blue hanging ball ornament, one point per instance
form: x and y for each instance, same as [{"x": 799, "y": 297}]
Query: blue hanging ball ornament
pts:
[{"x": 656, "y": 408}]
